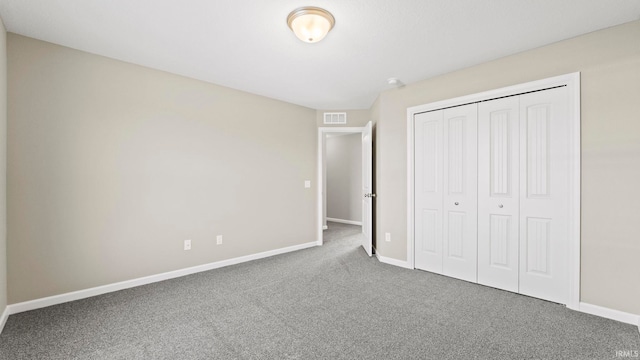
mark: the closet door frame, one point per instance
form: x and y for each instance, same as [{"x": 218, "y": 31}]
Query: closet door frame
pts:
[{"x": 572, "y": 82}]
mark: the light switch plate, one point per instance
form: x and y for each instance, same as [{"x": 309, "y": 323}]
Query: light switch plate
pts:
[{"x": 307, "y": 184}]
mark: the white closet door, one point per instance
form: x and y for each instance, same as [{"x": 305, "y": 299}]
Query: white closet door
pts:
[
  {"x": 428, "y": 191},
  {"x": 544, "y": 190},
  {"x": 498, "y": 193},
  {"x": 460, "y": 198}
]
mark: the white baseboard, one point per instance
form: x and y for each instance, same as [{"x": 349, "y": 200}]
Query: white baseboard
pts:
[
  {"x": 3, "y": 318},
  {"x": 617, "y": 315},
  {"x": 391, "y": 261},
  {"x": 349, "y": 222},
  {"x": 604, "y": 312},
  {"x": 99, "y": 290}
]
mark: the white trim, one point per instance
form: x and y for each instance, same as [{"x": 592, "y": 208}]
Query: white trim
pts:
[
  {"x": 574, "y": 193},
  {"x": 612, "y": 314},
  {"x": 324, "y": 227},
  {"x": 572, "y": 81},
  {"x": 99, "y": 290},
  {"x": 350, "y": 222},
  {"x": 394, "y": 262},
  {"x": 567, "y": 79},
  {"x": 322, "y": 131},
  {"x": 410, "y": 189},
  {"x": 319, "y": 184},
  {"x": 3, "y": 318}
]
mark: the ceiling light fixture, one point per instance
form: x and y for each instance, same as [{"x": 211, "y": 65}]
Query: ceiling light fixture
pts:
[
  {"x": 310, "y": 24},
  {"x": 395, "y": 82}
]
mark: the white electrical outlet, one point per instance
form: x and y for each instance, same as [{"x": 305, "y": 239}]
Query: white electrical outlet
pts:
[
  {"x": 219, "y": 239},
  {"x": 187, "y": 244},
  {"x": 307, "y": 184},
  {"x": 387, "y": 237}
]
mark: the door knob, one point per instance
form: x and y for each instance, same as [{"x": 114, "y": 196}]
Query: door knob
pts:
[
  {"x": 456, "y": 203},
  {"x": 500, "y": 206}
]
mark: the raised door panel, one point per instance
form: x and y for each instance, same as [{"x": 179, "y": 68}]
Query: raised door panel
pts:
[
  {"x": 460, "y": 192},
  {"x": 428, "y": 191},
  {"x": 498, "y": 193},
  {"x": 455, "y": 244},
  {"x": 537, "y": 246},
  {"x": 500, "y": 230},
  {"x": 544, "y": 206},
  {"x": 537, "y": 150},
  {"x": 430, "y": 234},
  {"x": 456, "y": 133},
  {"x": 501, "y": 152}
]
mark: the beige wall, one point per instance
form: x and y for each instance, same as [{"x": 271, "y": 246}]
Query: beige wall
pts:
[
  {"x": 3, "y": 168},
  {"x": 111, "y": 166},
  {"x": 609, "y": 62},
  {"x": 344, "y": 177},
  {"x": 355, "y": 118}
]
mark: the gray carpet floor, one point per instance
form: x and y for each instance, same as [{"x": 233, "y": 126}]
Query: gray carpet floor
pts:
[{"x": 329, "y": 302}]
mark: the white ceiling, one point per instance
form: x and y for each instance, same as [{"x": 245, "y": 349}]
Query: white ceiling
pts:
[{"x": 246, "y": 44}]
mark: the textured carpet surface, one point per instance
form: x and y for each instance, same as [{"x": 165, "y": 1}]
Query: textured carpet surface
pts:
[{"x": 329, "y": 302}]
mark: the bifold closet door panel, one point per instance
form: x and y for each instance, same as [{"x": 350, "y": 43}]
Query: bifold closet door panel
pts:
[
  {"x": 498, "y": 193},
  {"x": 460, "y": 198},
  {"x": 428, "y": 191},
  {"x": 544, "y": 189}
]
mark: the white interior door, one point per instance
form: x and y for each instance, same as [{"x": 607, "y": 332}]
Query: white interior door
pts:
[
  {"x": 460, "y": 198},
  {"x": 498, "y": 193},
  {"x": 544, "y": 189},
  {"x": 367, "y": 189},
  {"x": 428, "y": 191}
]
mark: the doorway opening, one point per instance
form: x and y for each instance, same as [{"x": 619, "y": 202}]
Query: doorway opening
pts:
[
  {"x": 345, "y": 194},
  {"x": 343, "y": 179}
]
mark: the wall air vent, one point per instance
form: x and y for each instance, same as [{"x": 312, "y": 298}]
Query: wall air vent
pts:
[{"x": 335, "y": 118}]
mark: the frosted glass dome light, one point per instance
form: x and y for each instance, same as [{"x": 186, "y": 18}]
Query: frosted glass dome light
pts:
[{"x": 310, "y": 24}]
